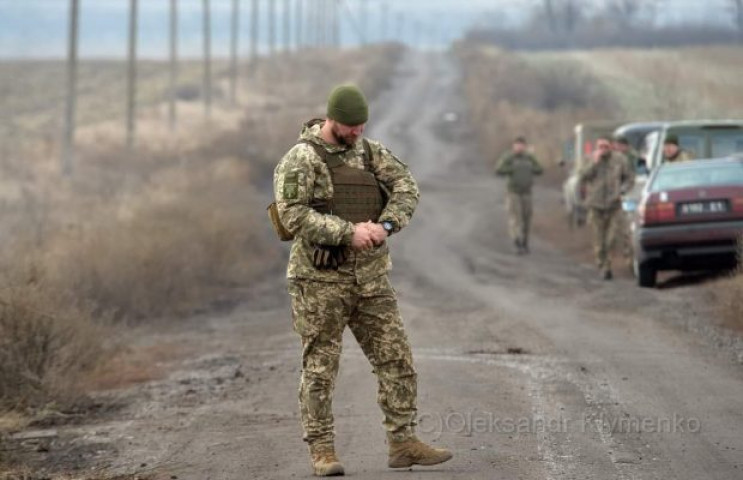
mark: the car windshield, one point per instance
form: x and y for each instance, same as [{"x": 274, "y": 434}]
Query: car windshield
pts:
[{"x": 678, "y": 178}]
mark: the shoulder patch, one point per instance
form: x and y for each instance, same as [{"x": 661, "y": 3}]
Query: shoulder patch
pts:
[{"x": 291, "y": 185}]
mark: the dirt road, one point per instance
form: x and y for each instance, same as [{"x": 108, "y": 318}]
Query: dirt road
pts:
[{"x": 529, "y": 367}]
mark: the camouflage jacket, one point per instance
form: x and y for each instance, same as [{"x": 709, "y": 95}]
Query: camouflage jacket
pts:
[
  {"x": 606, "y": 181},
  {"x": 520, "y": 170},
  {"x": 681, "y": 156},
  {"x": 632, "y": 159},
  {"x": 302, "y": 178}
]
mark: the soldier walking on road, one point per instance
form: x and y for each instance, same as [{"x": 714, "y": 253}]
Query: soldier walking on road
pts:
[
  {"x": 520, "y": 167},
  {"x": 606, "y": 177},
  {"x": 340, "y": 196}
]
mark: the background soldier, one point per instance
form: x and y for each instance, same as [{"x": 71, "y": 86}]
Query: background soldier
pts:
[
  {"x": 672, "y": 152},
  {"x": 520, "y": 167},
  {"x": 338, "y": 273},
  {"x": 606, "y": 177},
  {"x": 621, "y": 145}
]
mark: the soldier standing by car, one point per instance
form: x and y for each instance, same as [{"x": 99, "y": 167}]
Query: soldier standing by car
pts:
[
  {"x": 520, "y": 167},
  {"x": 672, "y": 152},
  {"x": 329, "y": 197},
  {"x": 606, "y": 177},
  {"x": 621, "y": 145}
]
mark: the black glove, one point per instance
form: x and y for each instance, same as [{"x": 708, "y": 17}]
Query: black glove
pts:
[{"x": 327, "y": 257}]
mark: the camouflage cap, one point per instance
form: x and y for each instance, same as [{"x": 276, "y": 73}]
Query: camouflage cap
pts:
[{"x": 672, "y": 139}]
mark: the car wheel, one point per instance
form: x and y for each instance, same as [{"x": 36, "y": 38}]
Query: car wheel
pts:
[{"x": 646, "y": 274}]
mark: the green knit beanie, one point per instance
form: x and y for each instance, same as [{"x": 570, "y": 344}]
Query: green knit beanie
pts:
[{"x": 347, "y": 105}]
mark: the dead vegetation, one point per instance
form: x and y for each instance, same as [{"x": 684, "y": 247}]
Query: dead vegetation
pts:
[
  {"x": 509, "y": 97},
  {"x": 175, "y": 226},
  {"x": 727, "y": 294}
]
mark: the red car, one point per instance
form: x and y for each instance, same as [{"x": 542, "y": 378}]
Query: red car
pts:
[{"x": 690, "y": 218}]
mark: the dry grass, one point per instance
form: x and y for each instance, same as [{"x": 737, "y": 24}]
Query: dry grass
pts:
[
  {"x": 155, "y": 233},
  {"x": 728, "y": 296},
  {"x": 48, "y": 342},
  {"x": 181, "y": 221},
  {"x": 509, "y": 97},
  {"x": 683, "y": 83}
]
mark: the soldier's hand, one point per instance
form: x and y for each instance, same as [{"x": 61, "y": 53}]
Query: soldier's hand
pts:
[
  {"x": 378, "y": 233},
  {"x": 362, "y": 237}
]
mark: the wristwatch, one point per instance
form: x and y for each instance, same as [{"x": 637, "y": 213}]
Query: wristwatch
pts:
[{"x": 388, "y": 226}]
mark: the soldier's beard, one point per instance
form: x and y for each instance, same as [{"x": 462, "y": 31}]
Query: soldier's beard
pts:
[{"x": 347, "y": 140}]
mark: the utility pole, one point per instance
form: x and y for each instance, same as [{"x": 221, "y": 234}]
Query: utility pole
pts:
[
  {"x": 254, "y": 26},
  {"x": 131, "y": 110},
  {"x": 207, "y": 60},
  {"x": 271, "y": 27},
  {"x": 234, "y": 45},
  {"x": 68, "y": 149},
  {"x": 335, "y": 24},
  {"x": 400, "y": 28},
  {"x": 172, "y": 113},
  {"x": 385, "y": 21},
  {"x": 298, "y": 19},
  {"x": 315, "y": 19},
  {"x": 363, "y": 15},
  {"x": 416, "y": 34},
  {"x": 287, "y": 26},
  {"x": 173, "y": 97},
  {"x": 320, "y": 19}
]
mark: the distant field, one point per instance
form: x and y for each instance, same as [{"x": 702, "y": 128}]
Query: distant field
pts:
[
  {"x": 33, "y": 93},
  {"x": 683, "y": 83}
]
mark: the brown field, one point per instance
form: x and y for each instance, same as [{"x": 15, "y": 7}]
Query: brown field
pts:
[{"x": 174, "y": 227}]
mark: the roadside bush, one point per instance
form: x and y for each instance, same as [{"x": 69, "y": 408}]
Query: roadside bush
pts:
[
  {"x": 47, "y": 343},
  {"x": 168, "y": 251}
]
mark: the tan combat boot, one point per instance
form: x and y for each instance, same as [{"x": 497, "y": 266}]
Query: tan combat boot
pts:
[
  {"x": 324, "y": 462},
  {"x": 404, "y": 454}
]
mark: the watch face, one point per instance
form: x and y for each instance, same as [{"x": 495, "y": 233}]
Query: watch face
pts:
[{"x": 387, "y": 226}]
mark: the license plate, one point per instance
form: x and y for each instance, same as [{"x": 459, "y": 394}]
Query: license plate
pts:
[{"x": 700, "y": 208}]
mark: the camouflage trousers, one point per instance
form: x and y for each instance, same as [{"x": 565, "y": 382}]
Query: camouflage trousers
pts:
[
  {"x": 605, "y": 225},
  {"x": 519, "y": 216},
  {"x": 320, "y": 312},
  {"x": 624, "y": 235}
]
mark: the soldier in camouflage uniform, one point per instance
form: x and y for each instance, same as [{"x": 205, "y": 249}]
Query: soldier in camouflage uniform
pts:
[
  {"x": 520, "y": 167},
  {"x": 672, "y": 152},
  {"x": 606, "y": 176},
  {"x": 622, "y": 146},
  {"x": 328, "y": 193}
]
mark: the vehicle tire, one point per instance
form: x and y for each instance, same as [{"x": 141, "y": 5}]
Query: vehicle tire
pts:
[{"x": 646, "y": 274}]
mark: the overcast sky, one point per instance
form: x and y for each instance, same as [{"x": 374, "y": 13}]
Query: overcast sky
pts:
[{"x": 38, "y": 28}]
